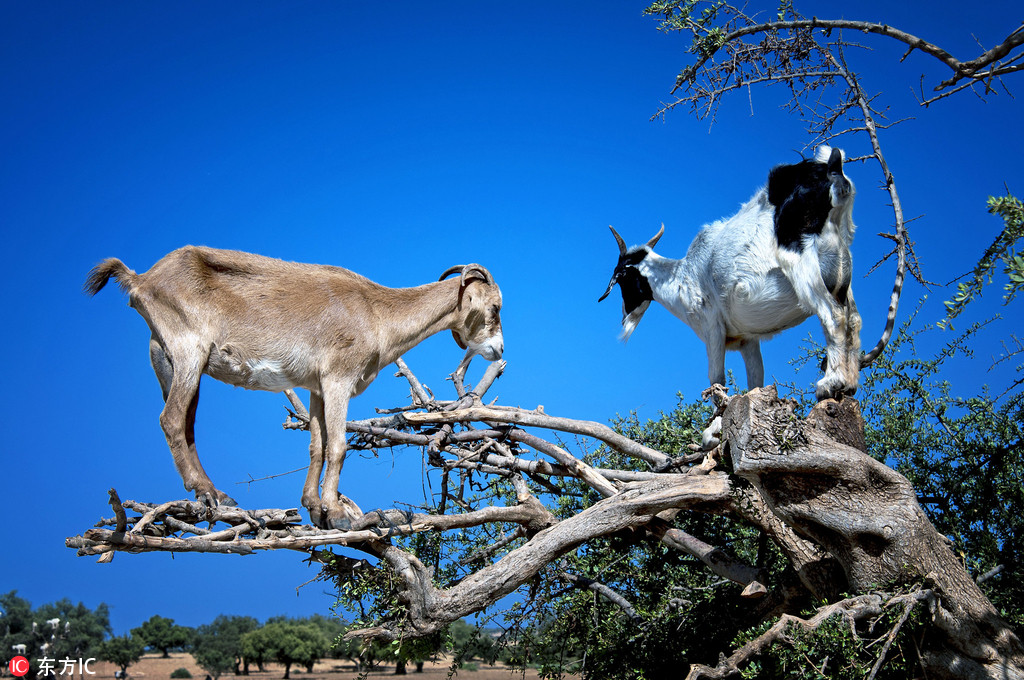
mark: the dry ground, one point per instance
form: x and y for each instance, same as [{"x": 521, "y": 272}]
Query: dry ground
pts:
[{"x": 152, "y": 667}]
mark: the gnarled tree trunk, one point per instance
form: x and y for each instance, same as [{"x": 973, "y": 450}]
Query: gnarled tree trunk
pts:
[{"x": 866, "y": 516}]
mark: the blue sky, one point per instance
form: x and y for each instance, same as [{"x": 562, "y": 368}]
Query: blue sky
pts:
[{"x": 395, "y": 140}]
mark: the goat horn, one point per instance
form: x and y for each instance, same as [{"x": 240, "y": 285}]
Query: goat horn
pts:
[
  {"x": 466, "y": 271},
  {"x": 470, "y": 269},
  {"x": 451, "y": 270},
  {"x": 650, "y": 244},
  {"x": 618, "y": 239}
]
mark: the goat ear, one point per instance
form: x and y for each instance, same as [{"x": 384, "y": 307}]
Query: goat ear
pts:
[
  {"x": 835, "y": 162},
  {"x": 782, "y": 180}
]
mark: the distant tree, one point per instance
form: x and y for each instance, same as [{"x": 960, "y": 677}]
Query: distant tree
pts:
[
  {"x": 78, "y": 631},
  {"x": 15, "y": 622},
  {"x": 217, "y": 646},
  {"x": 332, "y": 628},
  {"x": 470, "y": 642},
  {"x": 286, "y": 642},
  {"x": 162, "y": 634},
  {"x": 121, "y": 650},
  {"x": 257, "y": 647}
]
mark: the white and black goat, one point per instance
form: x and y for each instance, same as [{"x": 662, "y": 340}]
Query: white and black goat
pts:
[
  {"x": 266, "y": 324},
  {"x": 783, "y": 257}
]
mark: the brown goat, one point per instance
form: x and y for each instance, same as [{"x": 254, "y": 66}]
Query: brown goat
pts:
[{"x": 265, "y": 324}]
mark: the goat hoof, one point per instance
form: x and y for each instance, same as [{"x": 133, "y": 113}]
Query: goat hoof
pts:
[
  {"x": 226, "y": 500},
  {"x": 339, "y": 521},
  {"x": 830, "y": 388},
  {"x": 342, "y": 524},
  {"x": 215, "y": 498}
]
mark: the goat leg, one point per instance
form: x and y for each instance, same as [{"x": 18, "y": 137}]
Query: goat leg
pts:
[
  {"x": 338, "y": 511},
  {"x": 178, "y": 421},
  {"x": 317, "y": 447}
]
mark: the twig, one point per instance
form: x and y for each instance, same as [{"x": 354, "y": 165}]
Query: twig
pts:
[{"x": 604, "y": 591}]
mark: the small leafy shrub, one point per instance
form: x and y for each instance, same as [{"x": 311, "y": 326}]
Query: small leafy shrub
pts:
[{"x": 181, "y": 673}]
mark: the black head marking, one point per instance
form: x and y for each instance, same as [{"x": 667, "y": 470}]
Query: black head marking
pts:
[
  {"x": 634, "y": 288},
  {"x": 626, "y": 264},
  {"x": 801, "y": 194}
]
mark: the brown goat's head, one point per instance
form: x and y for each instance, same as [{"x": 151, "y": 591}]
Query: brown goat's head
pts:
[{"x": 477, "y": 327}]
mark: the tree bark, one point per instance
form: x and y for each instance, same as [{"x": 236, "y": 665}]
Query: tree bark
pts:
[{"x": 866, "y": 516}]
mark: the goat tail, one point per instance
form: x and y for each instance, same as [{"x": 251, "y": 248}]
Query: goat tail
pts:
[{"x": 101, "y": 273}]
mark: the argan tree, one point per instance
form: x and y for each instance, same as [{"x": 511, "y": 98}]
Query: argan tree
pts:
[
  {"x": 160, "y": 633},
  {"x": 217, "y": 646},
  {"x": 288, "y": 643},
  {"x": 122, "y": 651}
]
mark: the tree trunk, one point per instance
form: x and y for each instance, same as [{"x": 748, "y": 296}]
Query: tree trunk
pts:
[{"x": 865, "y": 515}]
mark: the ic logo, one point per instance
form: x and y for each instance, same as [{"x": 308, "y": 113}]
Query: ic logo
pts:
[{"x": 19, "y": 666}]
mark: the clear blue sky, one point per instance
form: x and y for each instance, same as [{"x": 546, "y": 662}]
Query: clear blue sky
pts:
[{"x": 396, "y": 140}]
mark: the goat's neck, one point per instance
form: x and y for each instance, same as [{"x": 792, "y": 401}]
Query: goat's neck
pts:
[
  {"x": 670, "y": 281},
  {"x": 411, "y": 315}
]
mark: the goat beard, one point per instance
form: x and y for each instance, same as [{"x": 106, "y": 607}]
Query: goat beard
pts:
[{"x": 630, "y": 321}]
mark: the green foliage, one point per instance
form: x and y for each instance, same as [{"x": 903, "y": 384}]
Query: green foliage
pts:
[
  {"x": 286, "y": 642},
  {"x": 121, "y": 650},
  {"x": 15, "y": 623},
  {"x": 217, "y": 646},
  {"x": 838, "y": 650},
  {"x": 471, "y": 642},
  {"x": 964, "y": 455},
  {"x": 1005, "y": 250},
  {"x": 682, "y": 15},
  {"x": 160, "y": 633},
  {"x": 79, "y": 632},
  {"x": 180, "y": 673}
]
